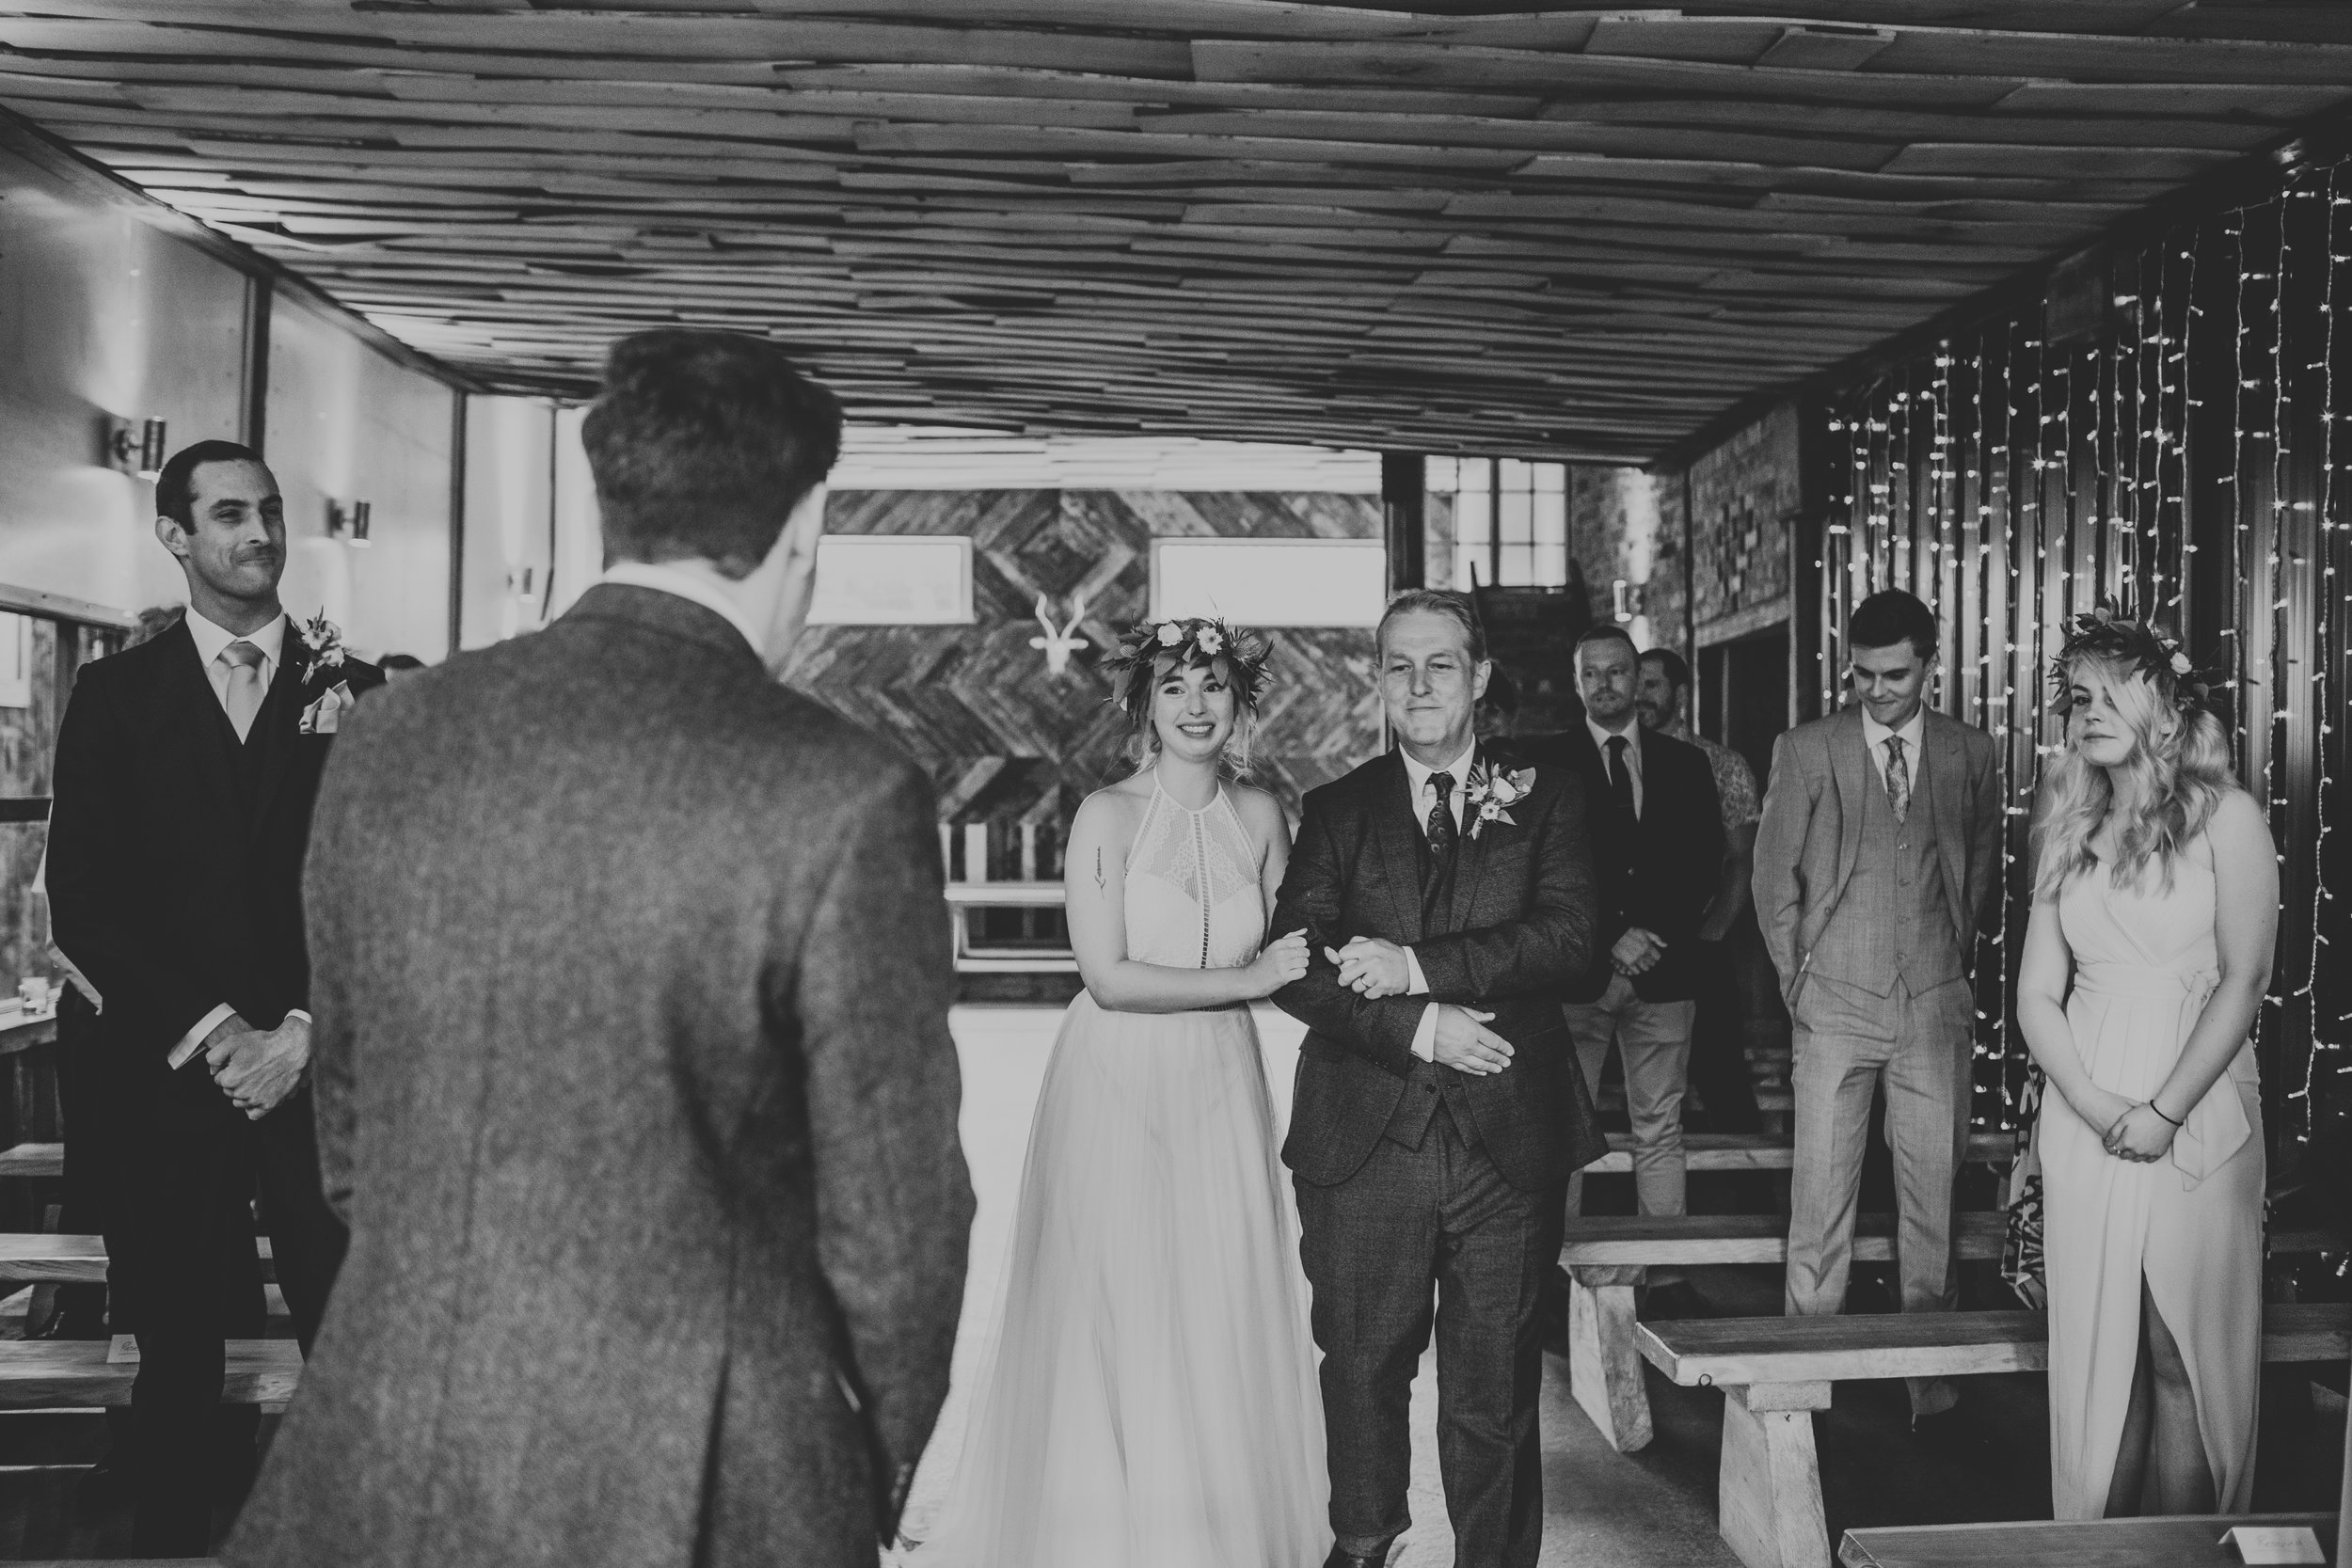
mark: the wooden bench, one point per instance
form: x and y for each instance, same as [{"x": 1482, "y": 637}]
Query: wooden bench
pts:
[
  {"x": 1775, "y": 1373},
  {"x": 75, "y": 1374},
  {"x": 33, "y": 1160},
  {"x": 34, "y": 1258},
  {"x": 1718, "y": 1151},
  {"x": 1605, "y": 1257},
  {"x": 2176, "y": 1541}
]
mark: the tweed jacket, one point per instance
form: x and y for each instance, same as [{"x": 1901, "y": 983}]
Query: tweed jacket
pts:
[
  {"x": 634, "y": 1082},
  {"x": 1519, "y": 925},
  {"x": 1811, "y": 834}
]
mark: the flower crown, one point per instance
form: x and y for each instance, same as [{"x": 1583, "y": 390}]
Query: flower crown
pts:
[
  {"x": 2116, "y": 633},
  {"x": 1188, "y": 642}
]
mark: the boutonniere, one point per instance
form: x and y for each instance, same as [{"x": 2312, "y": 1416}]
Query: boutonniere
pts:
[
  {"x": 1494, "y": 793},
  {"x": 322, "y": 647}
]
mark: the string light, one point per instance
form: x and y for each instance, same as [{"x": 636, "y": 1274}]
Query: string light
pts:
[{"x": 2015, "y": 480}]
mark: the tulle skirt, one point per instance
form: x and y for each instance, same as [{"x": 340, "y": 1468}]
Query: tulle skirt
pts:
[{"x": 1150, "y": 1402}]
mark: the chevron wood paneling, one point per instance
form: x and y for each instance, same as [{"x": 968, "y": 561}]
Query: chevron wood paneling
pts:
[{"x": 1009, "y": 744}]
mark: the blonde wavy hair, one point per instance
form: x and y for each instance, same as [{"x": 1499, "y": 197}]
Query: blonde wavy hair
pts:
[{"x": 2177, "y": 772}]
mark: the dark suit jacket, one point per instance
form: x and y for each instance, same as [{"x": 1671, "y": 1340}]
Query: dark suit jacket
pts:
[
  {"x": 1659, "y": 872},
  {"x": 634, "y": 1082},
  {"x": 1810, "y": 838},
  {"x": 1518, "y": 927},
  {"x": 175, "y": 851}
]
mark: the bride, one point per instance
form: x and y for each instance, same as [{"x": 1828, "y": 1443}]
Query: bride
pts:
[{"x": 1152, "y": 1399}]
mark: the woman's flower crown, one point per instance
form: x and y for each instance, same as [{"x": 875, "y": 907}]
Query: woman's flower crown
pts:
[
  {"x": 2115, "y": 632},
  {"x": 1188, "y": 642}
]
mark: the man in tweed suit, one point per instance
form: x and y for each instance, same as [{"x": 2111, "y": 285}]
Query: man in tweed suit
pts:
[
  {"x": 1876, "y": 864},
  {"x": 633, "y": 1072},
  {"x": 1447, "y": 894}
]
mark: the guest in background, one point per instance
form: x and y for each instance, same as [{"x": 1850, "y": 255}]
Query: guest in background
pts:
[
  {"x": 1877, "y": 863},
  {"x": 2155, "y": 907},
  {"x": 633, "y": 1064},
  {"x": 185, "y": 769},
  {"x": 396, "y": 665},
  {"x": 1497, "y": 716},
  {"x": 1658, "y": 849},
  {"x": 1719, "y": 1053}
]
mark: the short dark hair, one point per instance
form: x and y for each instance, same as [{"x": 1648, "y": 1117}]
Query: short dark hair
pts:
[
  {"x": 1454, "y": 606},
  {"x": 1607, "y": 631},
  {"x": 399, "y": 664},
  {"x": 1677, "y": 668},
  {"x": 702, "y": 444},
  {"x": 1890, "y": 616},
  {"x": 175, "y": 487}
]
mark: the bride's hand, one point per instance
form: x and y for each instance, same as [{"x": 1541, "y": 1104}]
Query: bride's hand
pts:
[
  {"x": 1280, "y": 962},
  {"x": 2103, "y": 1111}
]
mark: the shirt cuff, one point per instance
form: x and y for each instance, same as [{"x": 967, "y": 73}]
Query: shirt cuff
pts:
[
  {"x": 1417, "y": 984},
  {"x": 193, "y": 1041},
  {"x": 1425, "y": 1037}
]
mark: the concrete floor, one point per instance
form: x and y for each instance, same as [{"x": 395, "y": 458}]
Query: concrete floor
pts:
[{"x": 1602, "y": 1509}]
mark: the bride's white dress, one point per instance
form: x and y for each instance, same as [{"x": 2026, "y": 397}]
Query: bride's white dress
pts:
[{"x": 1151, "y": 1400}]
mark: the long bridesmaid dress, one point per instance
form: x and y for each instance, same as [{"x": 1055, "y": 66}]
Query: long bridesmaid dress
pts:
[
  {"x": 1152, "y": 1401},
  {"x": 2191, "y": 1224}
]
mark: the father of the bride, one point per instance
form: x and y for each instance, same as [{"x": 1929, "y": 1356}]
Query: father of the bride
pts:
[{"x": 1447, "y": 893}]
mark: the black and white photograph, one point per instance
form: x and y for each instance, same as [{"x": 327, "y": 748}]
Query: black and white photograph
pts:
[{"x": 1175, "y": 784}]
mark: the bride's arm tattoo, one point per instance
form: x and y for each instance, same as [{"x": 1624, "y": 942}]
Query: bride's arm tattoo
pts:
[{"x": 1098, "y": 866}]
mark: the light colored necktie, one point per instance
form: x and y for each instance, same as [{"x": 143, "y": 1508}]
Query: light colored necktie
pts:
[
  {"x": 1897, "y": 779},
  {"x": 243, "y": 699}
]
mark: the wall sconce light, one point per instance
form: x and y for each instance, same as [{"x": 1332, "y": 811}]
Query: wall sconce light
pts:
[
  {"x": 136, "y": 450},
  {"x": 518, "y": 582},
  {"x": 1628, "y": 599},
  {"x": 349, "y": 524}
]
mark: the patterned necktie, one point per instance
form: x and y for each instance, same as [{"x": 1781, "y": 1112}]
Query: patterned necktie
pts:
[
  {"x": 243, "y": 699},
  {"x": 1897, "y": 779},
  {"x": 1441, "y": 828},
  {"x": 1621, "y": 778}
]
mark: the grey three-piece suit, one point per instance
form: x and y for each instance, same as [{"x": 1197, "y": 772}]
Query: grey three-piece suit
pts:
[
  {"x": 1872, "y": 924},
  {"x": 634, "y": 1081}
]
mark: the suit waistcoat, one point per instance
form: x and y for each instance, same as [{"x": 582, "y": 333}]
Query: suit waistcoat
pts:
[
  {"x": 1428, "y": 1087},
  {"x": 1893, "y": 918}
]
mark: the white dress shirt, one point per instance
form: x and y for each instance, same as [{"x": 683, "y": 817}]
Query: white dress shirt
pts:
[
  {"x": 1631, "y": 735},
  {"x": 210, "y": 638},
  {"x": 1875, "y": 737},
  {"x": 664, "y": 578},
  {"x": 1425, "y": 801}
]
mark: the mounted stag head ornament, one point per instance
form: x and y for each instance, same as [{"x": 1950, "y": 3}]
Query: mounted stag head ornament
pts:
[{"x": 1059, "y": 644}]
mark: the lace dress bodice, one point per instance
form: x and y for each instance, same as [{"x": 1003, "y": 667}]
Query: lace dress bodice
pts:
[{"x": 1193, "y": 899}]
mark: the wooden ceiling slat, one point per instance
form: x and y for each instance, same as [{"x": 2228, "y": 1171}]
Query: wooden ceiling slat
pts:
[{"x": 1576, "y": 233}]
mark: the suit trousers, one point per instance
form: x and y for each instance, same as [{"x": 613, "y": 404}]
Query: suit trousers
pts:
[
  {"x": 1654, "y": 1038},
  {"x": 1374, "y": 1246},
  {"x": 1848, "y": 1043},
  {"x": 185, "y": 1276}
]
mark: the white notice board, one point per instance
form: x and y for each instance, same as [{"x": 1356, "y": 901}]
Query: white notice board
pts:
[
  {"x": 1271, "y": 583},
  {"x": 893, "y": 579}
]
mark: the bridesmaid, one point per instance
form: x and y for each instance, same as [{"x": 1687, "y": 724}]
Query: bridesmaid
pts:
[{"x": 2156, "y": 901}]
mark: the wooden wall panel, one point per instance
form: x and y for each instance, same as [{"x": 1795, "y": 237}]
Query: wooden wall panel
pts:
[{"x": 1010, "y": 745}]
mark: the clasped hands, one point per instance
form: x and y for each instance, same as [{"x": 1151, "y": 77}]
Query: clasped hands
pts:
[
  {"x": 1374, "y": 968},
  {"x": 257, "y": 1069},
  {"x": 2139, "y": 1133}
]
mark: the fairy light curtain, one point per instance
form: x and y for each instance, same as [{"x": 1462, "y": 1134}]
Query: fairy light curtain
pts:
[{"x": 2189, "y": 456}]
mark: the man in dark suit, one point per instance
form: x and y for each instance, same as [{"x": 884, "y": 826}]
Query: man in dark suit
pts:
[
  {"x": 633, "y": 1067},
  {"x": 1447, "y": 892},
  {"x": 1658, "y": 854},
  {"x": 185, "y": 772}
]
